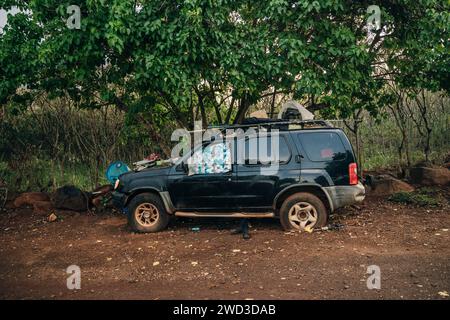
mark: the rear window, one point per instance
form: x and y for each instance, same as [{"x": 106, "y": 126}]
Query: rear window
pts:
[{"x": 322, "y": 146}]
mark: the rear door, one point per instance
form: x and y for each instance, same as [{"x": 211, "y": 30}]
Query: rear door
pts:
[{"x": 259, "y": 181}]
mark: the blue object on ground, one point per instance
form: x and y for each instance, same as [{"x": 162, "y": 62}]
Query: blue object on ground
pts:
[
  {"x": 195, "y": 229},
  {"x": 115, "y": 169}
]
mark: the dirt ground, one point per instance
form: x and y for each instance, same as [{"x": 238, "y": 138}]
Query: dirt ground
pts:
[{"x": 410, "y": 245}]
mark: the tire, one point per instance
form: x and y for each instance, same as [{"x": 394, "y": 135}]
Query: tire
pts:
[
  {"x": 146, "y": 213},
  {"x": 302, "y": 210}
]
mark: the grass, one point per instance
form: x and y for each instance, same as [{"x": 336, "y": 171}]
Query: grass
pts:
[
  {"x": 424, "y": 197},
  {"x": 39, "y": 175}
]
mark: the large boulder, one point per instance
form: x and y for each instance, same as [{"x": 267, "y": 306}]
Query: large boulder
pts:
[
  {"x": 42, "y": 207},
  {"x": 30, "y": 198},
  {"x": 386, "y": 185},
  {"x": 430, "y": 176},
  {"x": 71, "y": 198},
  {"x": 40, "y": 201}
]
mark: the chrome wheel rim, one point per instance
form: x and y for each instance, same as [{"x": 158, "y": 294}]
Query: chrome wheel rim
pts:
[
  {"x": 302, "y": 215},
  {"x": 146, "y": 214}
]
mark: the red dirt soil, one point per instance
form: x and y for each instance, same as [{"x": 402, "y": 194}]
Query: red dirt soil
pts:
[{"x": 410, "y": 245}]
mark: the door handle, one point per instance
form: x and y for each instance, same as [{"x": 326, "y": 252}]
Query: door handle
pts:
[{"x": 298, "y": 158}]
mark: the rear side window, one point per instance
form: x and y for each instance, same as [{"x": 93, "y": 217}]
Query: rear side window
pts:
[{"x": 322, "y": 146}]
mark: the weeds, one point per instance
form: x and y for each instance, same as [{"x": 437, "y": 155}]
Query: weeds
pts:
[{"x": 424, "y": 197}]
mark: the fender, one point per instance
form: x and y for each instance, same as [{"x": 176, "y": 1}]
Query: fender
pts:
[
  {"x": 165, "y": 197},
  {"x": 299, "y": 185}
]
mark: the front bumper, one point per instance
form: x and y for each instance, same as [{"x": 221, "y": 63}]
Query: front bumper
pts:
[
  {"x": 119, "y": 200},
  {"x": 341, "y": 196}
]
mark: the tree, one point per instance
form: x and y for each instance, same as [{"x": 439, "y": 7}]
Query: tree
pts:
[{"x": 177, "y": 61}]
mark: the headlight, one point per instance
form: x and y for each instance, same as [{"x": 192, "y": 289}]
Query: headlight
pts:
[{"x": 116, "y": 184}]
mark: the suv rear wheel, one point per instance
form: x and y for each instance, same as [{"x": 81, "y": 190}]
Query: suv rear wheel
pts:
[
  {"x": 302, "y": 210},
  {"x": 146, "y": 213}
]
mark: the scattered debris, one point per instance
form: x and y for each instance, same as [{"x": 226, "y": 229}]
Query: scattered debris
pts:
[
  {"x": 195, "y": 229},
  {"x": 443, "y": 294},
  {"x": 333, "y": 226},
  {"x": 101, "y": 197},
  {"x": 156, "y": 263}
]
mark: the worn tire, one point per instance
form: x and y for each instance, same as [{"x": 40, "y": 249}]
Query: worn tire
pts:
[
  {"x": 303, "y": 197},
  {"x": 143, "y": 203}
]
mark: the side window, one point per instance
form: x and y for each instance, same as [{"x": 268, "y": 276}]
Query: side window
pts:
[
  {"x": 322, "y": 146},
  {"x": 258, "y": 151},
  {"x": 214, "y": 158}
]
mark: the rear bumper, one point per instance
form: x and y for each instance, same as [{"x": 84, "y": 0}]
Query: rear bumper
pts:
[{"x": 341, "y": 196}]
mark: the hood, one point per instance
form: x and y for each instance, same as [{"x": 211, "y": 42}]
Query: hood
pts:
[{"x": 146, "y": 173}]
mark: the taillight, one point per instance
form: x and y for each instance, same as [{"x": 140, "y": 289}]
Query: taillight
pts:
[{"x": 353, "y": 173}]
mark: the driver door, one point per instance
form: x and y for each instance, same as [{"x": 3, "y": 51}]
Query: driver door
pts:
[{"x": 208, "y": 184}]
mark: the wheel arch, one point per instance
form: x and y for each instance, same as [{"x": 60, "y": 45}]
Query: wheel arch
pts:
[
  {"x": 164, "y": 196},
  {"x": 314, "y": 189}
]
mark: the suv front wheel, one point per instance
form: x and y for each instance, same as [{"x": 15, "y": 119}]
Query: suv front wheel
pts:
[
  {"x": 146, "y": 213},
  {"x": 302, "y": 210}
]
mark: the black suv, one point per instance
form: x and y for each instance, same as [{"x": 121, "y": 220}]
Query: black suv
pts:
[{"x": 315, "y": 173}]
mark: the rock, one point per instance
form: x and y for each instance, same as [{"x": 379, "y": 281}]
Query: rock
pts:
[
  {"x": 42, "y": 207},
  {"x": 430, "y": 176},
  {"x": 387, "y": 185},
  {"x": 53, "y": 217},
  {"x": 29, "y": 198},
  {"x": 70, "y": 198}
]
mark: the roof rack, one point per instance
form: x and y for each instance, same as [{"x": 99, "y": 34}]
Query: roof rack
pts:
[{"x": 281, "y": 124}]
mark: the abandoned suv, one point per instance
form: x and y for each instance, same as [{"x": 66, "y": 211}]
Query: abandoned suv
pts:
[{"x": 312, "y": 173}]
